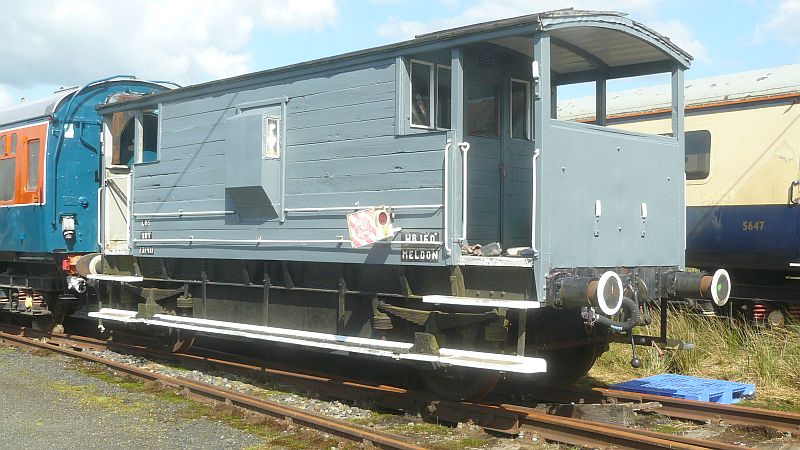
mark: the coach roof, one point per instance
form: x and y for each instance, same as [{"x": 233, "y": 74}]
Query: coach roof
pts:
[
  {"x": 583, "y": 44},
  {"x": 27, "y": 111}
]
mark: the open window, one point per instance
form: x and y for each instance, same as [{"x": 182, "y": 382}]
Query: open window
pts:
[
  {"x": 430, "y": 95},
  {"x": 125, "y": 131},
  {"x": 520, "y": 109}
]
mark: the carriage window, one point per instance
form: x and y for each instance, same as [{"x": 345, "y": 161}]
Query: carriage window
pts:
[
  {"x": 32, "y": 183},
  {"x": 442, "y": 97},
  {"x": 2, "y": 146},
  {"x": 698, "y": 154},
  {"x": 421, "y": 99},
  {"x": 149, "y": 137},
  {"x": 7, "y": 176},
  {"x": 13, "y": 148},
  {"x": 482, "y": 111},
  {"x": 520, "y": 110}
]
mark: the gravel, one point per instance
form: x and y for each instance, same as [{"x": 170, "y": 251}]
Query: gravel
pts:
[{"x": 46, "y": 404}]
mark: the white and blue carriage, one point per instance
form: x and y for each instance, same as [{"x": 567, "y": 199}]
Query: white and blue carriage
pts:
[{"x": 417, "y": 201}]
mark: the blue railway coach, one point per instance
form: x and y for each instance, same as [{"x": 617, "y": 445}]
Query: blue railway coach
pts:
[{"x": 50, "y": 180}]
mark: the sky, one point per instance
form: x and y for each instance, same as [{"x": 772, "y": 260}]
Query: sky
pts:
[{"x": 47, "y": 44}]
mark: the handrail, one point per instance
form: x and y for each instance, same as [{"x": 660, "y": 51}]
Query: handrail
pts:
[
  {"x": 182, "y": 213},
  {"x": 464, "y": 146},
  {"x": 446, "y": 195},
  {"x": 357, "y": 207},
  {"x": 536, "y": 153},
  {"x": 190, "y": 240}
]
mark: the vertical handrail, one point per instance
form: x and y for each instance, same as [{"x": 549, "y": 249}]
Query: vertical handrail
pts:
[
  {"x": 536, "y": 153},
  {"x": 446, "y": 195},
  {"x": 464, "y": 146}
]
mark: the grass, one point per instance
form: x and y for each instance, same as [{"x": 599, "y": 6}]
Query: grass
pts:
[
  {"x": 273, "y": 433},
  {"x": 735, "y": 351}
]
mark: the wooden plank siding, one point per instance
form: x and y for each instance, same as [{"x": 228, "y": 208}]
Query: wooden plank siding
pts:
[{"x": 340, "y": 150}]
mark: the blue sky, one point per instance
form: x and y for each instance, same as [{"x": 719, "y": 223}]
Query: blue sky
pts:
[{"x": 201, "y": 40}]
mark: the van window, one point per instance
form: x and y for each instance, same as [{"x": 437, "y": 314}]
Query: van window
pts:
[
  {"x": 2, "y": 146},
  {"x": 698, "y": 154},
  {"x": 7, "y": 177},
  {"x": 443, "y": 97},
  {"x": 482, "y": 110},
  {"x": 520, "y": 110},
  {"x": 421, "y": 99},
  {"x": 33, "y": 166},
  {"x": 13, "y": 148}
]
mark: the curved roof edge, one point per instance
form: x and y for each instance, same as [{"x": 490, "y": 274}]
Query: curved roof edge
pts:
[
  {"x": 35, "y": 109},
  {"x": 516, "y": 25},
  {"x": 42, "y": 108},
  {"x": 617, "y": 21}
]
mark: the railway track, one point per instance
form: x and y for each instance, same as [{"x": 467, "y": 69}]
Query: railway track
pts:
[{"x": 504, "y": 418}]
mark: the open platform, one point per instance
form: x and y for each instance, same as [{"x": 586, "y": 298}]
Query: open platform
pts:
[{"x": 689, "y": 388}]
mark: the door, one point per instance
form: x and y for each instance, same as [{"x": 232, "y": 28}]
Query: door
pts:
[
  {"x": 484, "y": 180},
  {"x": 517, "y": 164},
  {"x": 116, "y": 189}
]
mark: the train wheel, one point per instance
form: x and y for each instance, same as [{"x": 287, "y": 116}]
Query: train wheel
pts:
[
  {"x": 49, "y": 323},
  {"x": 568, "y": 365},
  {"x": 459, "y": 384},
  {"x": 177, "y": 341}
]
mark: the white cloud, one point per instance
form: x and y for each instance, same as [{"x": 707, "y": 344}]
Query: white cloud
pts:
[
  {"x": 486, "y": 10},
  {"x": 684, "y": 38},
  {"x": 80, "y": 40},
  {"x": 781, "y": 24},
  {"x": 5, "y": 97}
]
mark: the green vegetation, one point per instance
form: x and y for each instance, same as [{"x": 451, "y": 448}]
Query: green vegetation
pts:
[
  {"x": 736, "y": 351},
  {"x": 273, "y": 433}
]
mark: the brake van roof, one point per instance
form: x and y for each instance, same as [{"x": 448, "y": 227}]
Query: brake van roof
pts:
[{"x": 582, "y": 44}]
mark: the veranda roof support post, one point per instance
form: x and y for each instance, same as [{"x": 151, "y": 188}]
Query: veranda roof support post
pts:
[
  {"x": 456, "y": 213},
  {"x": 542, "y": 116},
  {"x": 600, "y": 101}
]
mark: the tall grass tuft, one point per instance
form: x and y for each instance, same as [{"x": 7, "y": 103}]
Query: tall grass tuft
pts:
[{"x": 727, "y": 350}]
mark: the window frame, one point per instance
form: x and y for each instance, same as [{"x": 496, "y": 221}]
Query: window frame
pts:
[
  {"x": 710, "y": 151},
  {"x": 528, "y": 110},
  {"x": 27, "y": 185},
  {"x": 431, "y": 94}
]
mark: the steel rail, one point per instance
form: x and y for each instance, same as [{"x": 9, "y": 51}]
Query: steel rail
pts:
[
  {"x": 290, "y": 414},
  {"x": 504, "y": 418},
  {"x": 681, "y": 408}
]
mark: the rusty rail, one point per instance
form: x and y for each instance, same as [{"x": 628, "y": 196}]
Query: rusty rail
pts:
[
  {"x": 207, "y": 391},
  {"x": 504, "y": 418}
]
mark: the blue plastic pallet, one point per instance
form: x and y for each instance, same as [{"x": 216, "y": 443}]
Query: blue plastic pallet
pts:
[{"x": 690, "y": 388}]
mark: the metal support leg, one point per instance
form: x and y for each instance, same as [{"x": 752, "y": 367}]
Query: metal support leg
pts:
[
  {"x": 664, "y": 306},
  {"x": 521, "y": 331},
  {"x": 340, "y": 323},
  {"x": 203, "y": 294},
  {"x": 265, "y": 303}
]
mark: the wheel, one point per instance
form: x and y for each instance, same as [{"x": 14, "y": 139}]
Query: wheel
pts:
[
  {"x": 48, "y": 323},
  {"x": 568, "y": 365},
  {"x": 177, "y": 341},
  {"x": 459, "y": 384}
]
